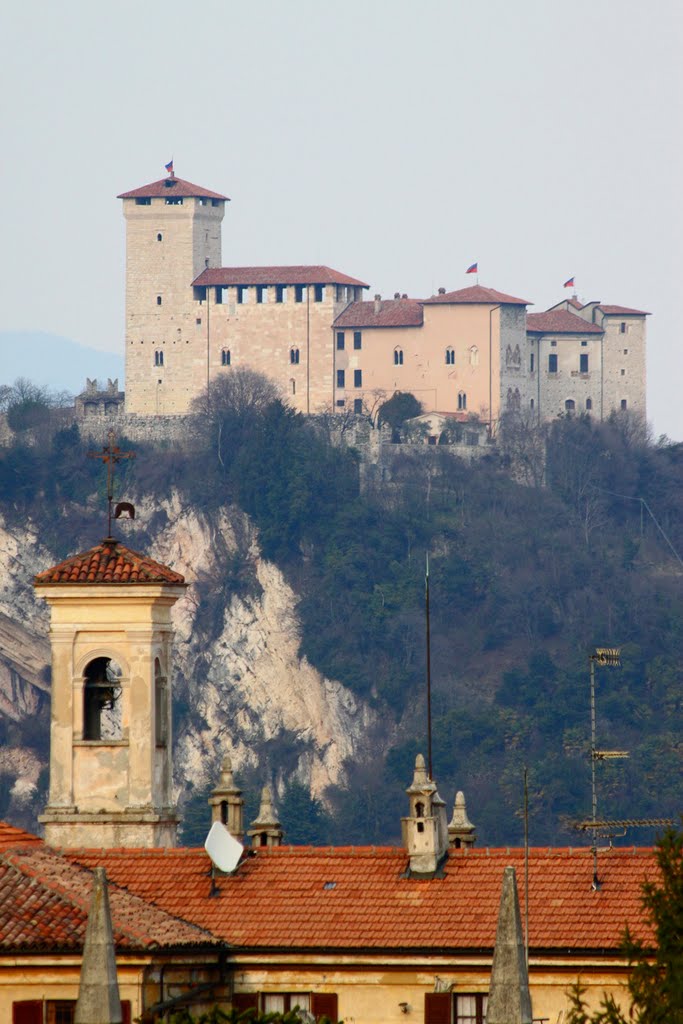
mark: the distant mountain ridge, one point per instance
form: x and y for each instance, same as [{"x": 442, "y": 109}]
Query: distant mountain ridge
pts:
[{"x": 54, "y": 361}]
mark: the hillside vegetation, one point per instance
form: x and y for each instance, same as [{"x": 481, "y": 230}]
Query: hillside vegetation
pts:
[{"x": 525, "y": 580}]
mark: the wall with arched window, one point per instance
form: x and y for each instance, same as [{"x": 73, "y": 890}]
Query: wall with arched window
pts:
[
  {"x": 225, "y": 357},
  {"x": 462, "y": 401},
  {"x": 450, "y": 356},
  {"x": 102, "y": 709},
  {"x": 294, "y": 356},
  {"x": 398, "y": 356}
]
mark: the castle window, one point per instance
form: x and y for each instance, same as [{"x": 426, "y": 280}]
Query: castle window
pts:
[
  {"x": 623, "y": 373},
  {"x": 219, "y": 296},
  {"x": 341, "y": 341},
  {"x": 531, "y": 363},
  {"x": 341, "y": 402},
  {"x": 160, "y": 706},
  {"x": 552, "y": 363},
  {"x": 358, "y": 378},
  {"x": 358, "y": 405},
  {"x": 357, "y": 339},
  {"x": 419, "y": 809},
  {"x": 143, "y": 201},
  {"x": 173, "y": 200},
  {"x": 450, "y": 356},
  {"x": 215, "y": 202},
  {"x": 225, "y": 357},
  {"x": 624, "y": 404},
  {"x": 339, "y": 293},
  {"x": 160, "y": 237},
  {"x": 553, "y": 344},
  {"x": 198, "y": 321},
  {"x": 474, "y": 356},
  {"x": 584, "y": 344},
  {"x": 462, "y": 400},
  {"x": 570, "y": 405},
  {"x": 531, "y": 403},
  {"x": 280, "y": 292},
  {"x": 589, "y": 404},
  {"x": 341, "y": 378},
  {"x": 261, "y": 293},
  {"x": 583, "y": 362},
  {"x": 294, "y": 355},
  {"x": 625, "y": 351},
  {"x": 293, "y": 385},
  {"x": 299, "y": 292},
  {"x": 242, "y": 293},
  {"x": 622, "y": 327},
  {"x": 158, "y": 300},
  {"x": 319, "y": 292},
  {"x": 158, "y": 357},
  {"x": 398, "y": 357},
  {"x": 102, "y": 718}
]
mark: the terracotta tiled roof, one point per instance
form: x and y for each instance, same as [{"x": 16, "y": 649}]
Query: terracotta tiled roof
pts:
[
  {"x": 44, "y": 902},
  {"x": 167, "y": 187},
  {"x": 11, "y": 837},
  {"x": 393, "y": 313},
  {"x": 559, "y": 321},
  {"x": 274, "y": 275},
  {"x": 476, "y": 295},
  {"x": 622, "y": 311},
  {"x": 109, "y": 562},
  {"x": 355, "y": 898}
]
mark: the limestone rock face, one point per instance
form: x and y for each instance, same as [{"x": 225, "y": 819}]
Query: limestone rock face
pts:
[{"x": 239, "y": 684}]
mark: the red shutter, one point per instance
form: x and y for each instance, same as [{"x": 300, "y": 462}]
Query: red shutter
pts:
[
  {"x": 242, "y": 1001},
  {"x": 125, "y": 1011},
  {"x": 324, "y": 1004},
  {"x": 30, "y": 1011},
  {"x": 438, "y": 1007}
]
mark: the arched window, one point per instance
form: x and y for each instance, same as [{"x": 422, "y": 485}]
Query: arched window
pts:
[
  {"x": 589, "y": 404},
  {"x": 102, "y": 719},
  {"x": 462, "y": 400},
  {"x": 158, "y": 357},
  {"x": 160, "y": 706},
  {"x": 294, "y": 356},
  {"x": 419, "y": 810},
  {"x": 158, "y": 300},
  {"x": 225, "y": 357},
  {"x": 570, "y": 405},
  {"x": 474, "y": 356},
  {"x": 160, "y": 237},
  {"x": 398, "y": 357},
  {"x": 450, "y": 356}
]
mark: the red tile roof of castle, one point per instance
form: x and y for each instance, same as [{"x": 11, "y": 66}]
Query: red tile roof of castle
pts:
[
  {"x": 109, "y": 562},
  {"x": 44, "y": 903},
  {"x": 392, "y": 313},
  {"x": 167, "y": 187},
  {"x": 559, "y": 321},
  {"x": 355, "y": 898},
  {"x": 11, "y": 837},
  {"x": 622, "y": 311},
  {"x": 274, "y": 275},
  {"x": 476, "y": 295}
]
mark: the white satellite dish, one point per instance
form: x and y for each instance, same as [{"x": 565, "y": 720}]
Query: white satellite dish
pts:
[{"x": 222, "y": 848}]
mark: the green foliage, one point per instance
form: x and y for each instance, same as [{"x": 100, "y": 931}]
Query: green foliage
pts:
[
  {"x": 217, "y": 1016},
  {"x": 403, "y": 405},
  {"x": 655, "y": 981}
]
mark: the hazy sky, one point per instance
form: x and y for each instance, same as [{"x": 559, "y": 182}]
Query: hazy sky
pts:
[{"x": 397, "y": 142}]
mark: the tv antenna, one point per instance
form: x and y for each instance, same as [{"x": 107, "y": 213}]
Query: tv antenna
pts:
[
  {"x": 224, "y": 850},
  {"x": 111, "y": 455},
  {"x": 606, "y": 657},
  {"x": 429, "y": 670}
]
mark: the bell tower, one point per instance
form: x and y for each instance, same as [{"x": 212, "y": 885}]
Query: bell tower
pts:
[
  {"x": 425, "y": 829},
  {"x": 110, "y": 734}
]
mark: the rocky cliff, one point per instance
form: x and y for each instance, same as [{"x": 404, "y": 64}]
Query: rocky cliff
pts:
[{"x": 239, "y": 683}]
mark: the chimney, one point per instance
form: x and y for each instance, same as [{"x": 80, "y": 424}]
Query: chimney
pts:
[
  {"x": 442, "y": 291},
  {"x": 266, "y": 830},
  {"x": 461, "y": 831},
  {"x": 425, "y": 830},
  {"x": 509, "y": 999},
  {"x": 226, "y": 802},
  {"x": 397, "y": 295},
  {"x": 378, "y": 305},
  {"x": 405, "y": 295},
  {"x": 98, "y": 989}
]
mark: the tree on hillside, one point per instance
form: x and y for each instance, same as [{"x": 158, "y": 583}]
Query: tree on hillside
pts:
[
  {"x": 401, "y": 406},
  {"x": 655, "y": 983},
  {"x": 231, "y": 407},
  {"x": 30, "y": 406}
]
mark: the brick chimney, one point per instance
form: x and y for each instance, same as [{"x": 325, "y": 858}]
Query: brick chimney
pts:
[
  {"x": 378, "y": 305},
  {"x": 227, "y": 803},
  {"x": 266, "y": 830}
]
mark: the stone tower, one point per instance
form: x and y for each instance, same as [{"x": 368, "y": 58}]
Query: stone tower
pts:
[
  {"x": 266, "y": 830},
  {"x": 173, "y": 233},
  {"x": 425, "y": 830},
  {"x": 227, "y": 803},
  {"x": 110, "y": 734}
]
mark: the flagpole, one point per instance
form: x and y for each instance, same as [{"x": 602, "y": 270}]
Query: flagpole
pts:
[{"x": 429, "y": 670}]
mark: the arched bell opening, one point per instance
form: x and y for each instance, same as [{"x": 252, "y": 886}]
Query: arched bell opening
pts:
[{"x": 102, "y": 711}]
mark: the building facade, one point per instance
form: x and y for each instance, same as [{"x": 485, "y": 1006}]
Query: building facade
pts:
[{"x": 471, "y": 352}]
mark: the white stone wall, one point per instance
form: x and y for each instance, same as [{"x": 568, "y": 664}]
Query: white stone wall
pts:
[{"x": 554, "y": 390}]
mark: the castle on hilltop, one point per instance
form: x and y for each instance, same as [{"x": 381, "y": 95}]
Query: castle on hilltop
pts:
[{"x": 471, "y": 351}]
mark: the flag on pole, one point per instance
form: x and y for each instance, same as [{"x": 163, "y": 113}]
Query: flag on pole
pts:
[
  {"x": 473, "y": 269},
  {"x": 569, "y": 283},
  {"x": 169, "y": 167}
]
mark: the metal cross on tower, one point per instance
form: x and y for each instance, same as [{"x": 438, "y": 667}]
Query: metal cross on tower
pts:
[{"x": 111, "y": 454}]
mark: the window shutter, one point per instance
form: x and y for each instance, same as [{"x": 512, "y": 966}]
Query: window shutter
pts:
[
  {"x": 324, "y": 1004},
  {"x": 125, "y": 1011},
  {"x": 242, "y": 1001},
  {"x": 438, "y": 1007},
  {"x": 30, "y": 1011}
]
